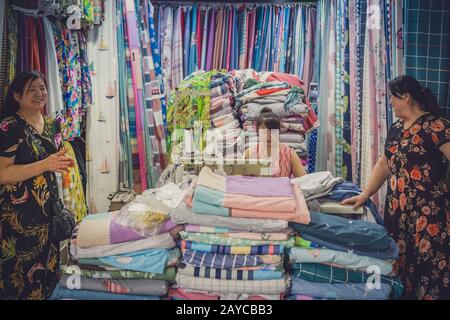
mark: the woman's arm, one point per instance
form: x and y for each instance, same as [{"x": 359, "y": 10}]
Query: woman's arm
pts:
[
  {"x": 297, "y": 168},
  {"x": 445, "y": 149},
  {"x": 379, "y": 175},
  {"x": 13, "y": 173}
]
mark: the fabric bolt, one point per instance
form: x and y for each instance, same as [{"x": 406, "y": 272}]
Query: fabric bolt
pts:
[{"x": 153, "y": 260}]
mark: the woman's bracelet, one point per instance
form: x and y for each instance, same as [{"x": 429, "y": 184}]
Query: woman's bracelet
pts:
[{"x": 365, "y": 195}]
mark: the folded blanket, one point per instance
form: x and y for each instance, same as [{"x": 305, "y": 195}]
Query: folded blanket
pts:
[
  {"x": 277, "y": 286},
  {"x": 316, "y": 272},
  {"x": 353, "y": 291},
  {"x": 221, "y": 112},
  {"x": 153, "y": 260},
  {"x": 354, "y": 234},
  {"x": 316, "y": 185},
  {"x": 297, "y": 146},
  {"x": 220, "y": 90},
  {"x": 61, "y": 293},
  {"x": 252, "y": 186},
  {"x": 96, "y": 264},
  {"x": 254, "y": 250},
  {"x": 223, "y": 120},
  {"x": 161, "y": 241},
  {"x": 292, "y": 127},
  {"x": 291, "y": 138},
  {"x": 230, "y": 274},
  {"x": 168, "y": 275},
  {"x": 183, "y": 215},
  {"x": 100, "y": 229},
  {"x": 226, "y": 261},
  {"x": 242, "y": 201},
  {"x": 347, "y": 260},
  {"x": 390, "y": 253},
  {"x": 217, "y": 239},
  {"x": 254, "y": 109},
  {"x": 129, "y": 286}
]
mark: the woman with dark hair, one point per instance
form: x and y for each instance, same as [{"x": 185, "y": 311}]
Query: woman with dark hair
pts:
[
  {"x": 29, "y": 156},
  {"x": 286, "y": 162},
  {"x": 417, "y": 214}
]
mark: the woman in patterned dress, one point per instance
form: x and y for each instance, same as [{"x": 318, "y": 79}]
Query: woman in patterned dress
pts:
[
  {"x": 29, "y": 156},
  {"x": 417, "y": 213}
]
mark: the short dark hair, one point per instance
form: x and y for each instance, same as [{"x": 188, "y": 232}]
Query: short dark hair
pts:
[
  {"x": 269, "y": 118},
  {"x": 11, "y": 106}
]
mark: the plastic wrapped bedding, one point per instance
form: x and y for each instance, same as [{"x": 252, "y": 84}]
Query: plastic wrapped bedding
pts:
[{"x": 183, "y": 215}]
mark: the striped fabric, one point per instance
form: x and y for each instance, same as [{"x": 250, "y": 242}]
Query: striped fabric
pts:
[
  {"x": 427, "y": 46},
  {"x": 220, "y": 261},
  {"x": 251, "y": 250},
  {"x": 228, "y": 274}
]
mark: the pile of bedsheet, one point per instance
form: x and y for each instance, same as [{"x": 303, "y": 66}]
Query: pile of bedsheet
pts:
[
  {"x": 336, "y": 257},
  {"x": 284, "y": 95},
  {"x": 123, "y": 255},
  {"x": 232, "y": 246}
]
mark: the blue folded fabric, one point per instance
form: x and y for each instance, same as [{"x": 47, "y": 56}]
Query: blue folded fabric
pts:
[
  {"x": 348, "y": 189},
  {"x": 61, "y": 293},
  {"x": 389, "y": 254},
  {"x": 351, "y": 234},
  {"x": 354, "y": 291},
  {"x": 152, "y": 260}
]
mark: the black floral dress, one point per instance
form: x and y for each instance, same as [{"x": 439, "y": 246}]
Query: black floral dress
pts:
[
  {"x": 29, "y": 260},
  {"x": 418, "y": 205}
]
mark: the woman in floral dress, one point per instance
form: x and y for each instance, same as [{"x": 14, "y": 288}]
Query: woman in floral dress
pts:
[
  {"x": 417, "y": 213},
  {"x": 29, "y": 156}
]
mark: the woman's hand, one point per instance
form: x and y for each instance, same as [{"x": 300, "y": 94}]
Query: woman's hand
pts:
[
  {"x": 356, "y": 201},
  {"x": 58, "y": 162}
]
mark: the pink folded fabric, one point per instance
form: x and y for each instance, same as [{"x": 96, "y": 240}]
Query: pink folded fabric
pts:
[
  {"x": 254, "y": 203},
  {"x": 301, "y": 215}
]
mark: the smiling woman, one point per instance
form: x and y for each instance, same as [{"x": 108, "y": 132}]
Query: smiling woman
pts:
[{"x": 29, "y": 156}]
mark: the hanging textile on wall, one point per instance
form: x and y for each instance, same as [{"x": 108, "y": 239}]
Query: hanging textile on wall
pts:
[
  {"x": 427, "y": 27},
  {"x": 3, "y": 52},
  {"x": 73, "y": 192},
  {"x": 102, "y": 120},
  {"x": 238, "y": 37}
]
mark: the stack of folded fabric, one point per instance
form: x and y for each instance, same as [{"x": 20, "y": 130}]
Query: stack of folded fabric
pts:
[
  {"x": 221, "y": 110},
  {"x": 284, "y": 95},
  {"x": 324, "y": 193},
  {"x": 232, "y": 247},
  {"x": 110, "y": 260},
  {"x": 339, "y": 258}
]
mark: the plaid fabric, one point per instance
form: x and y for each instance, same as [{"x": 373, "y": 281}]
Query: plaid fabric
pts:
[
  {"x": 229, "y": 274},
  {"x": 253, "y": 250},
  {"x": 220, "y": 261},
  {"x": 177, "y": 51},
  {"x": 427, "y": 46},
  {"x": 316, "y": 272}
]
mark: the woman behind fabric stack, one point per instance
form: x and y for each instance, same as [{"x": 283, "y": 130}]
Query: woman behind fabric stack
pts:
[
  {"x": 417, "y": 213},
  {"x": 287, "y": 163},
  {"x": 29, "y": 156}
]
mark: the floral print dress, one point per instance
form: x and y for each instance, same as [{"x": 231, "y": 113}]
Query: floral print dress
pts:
[
  {"x": 418, "y": 205},
  {"x": 29, "y": 259}
]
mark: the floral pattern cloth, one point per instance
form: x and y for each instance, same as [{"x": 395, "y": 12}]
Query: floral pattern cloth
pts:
[
  {"x": 29, "y": 258},
  {"x": 418, "y": 205}
]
